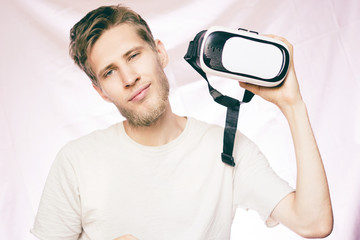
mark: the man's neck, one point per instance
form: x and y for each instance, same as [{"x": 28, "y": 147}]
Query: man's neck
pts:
[{"x": 168, "y": 127}]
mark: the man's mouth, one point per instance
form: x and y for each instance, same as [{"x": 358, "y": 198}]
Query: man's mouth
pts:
[{"x": 140, "y": 93}]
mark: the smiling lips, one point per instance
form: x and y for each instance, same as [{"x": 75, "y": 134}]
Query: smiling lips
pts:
[{"x": 139, "y": 94}]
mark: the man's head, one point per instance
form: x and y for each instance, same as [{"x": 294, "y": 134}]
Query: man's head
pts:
[
  {"x": 87, "y": 31},
  {"x": 115, "y": 47}
]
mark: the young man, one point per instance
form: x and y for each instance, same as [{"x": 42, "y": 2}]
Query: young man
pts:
[{"x": 158, "y": 175}]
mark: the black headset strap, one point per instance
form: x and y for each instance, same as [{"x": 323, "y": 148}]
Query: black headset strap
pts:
[{"x": 233, "y": 105}]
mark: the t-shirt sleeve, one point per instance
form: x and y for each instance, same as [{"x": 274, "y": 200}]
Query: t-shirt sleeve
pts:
[
  {"x": 59, "y": 213},
  {"x": 256, "y": 185}
]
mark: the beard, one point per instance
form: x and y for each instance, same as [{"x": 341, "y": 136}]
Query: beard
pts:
[{"x": 154, "y": 111}]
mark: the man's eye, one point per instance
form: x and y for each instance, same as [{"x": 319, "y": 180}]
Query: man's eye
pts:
[
  {"x": 108, "y": 73},
  {"x": 133, "y": 56}
]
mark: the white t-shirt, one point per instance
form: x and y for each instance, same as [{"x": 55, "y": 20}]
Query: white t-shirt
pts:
[{"x": 105, "y": 185}]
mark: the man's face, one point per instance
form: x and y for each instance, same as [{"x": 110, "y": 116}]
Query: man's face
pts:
[{"x": 130, "y": 74}]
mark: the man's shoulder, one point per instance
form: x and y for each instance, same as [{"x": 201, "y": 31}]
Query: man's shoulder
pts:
[
  {"x": 211, "y": 127},
  {"x": 211, "y": 132}
]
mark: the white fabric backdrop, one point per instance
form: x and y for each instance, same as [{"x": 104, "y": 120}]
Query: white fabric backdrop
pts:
[{"x": 45, "y": 100}]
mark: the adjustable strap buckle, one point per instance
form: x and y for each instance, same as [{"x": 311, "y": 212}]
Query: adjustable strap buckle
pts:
[{"x": 229, "y": 160}]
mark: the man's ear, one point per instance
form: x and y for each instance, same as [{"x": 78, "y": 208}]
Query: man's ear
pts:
[
  {"x": 163, "y": 56},
  {"x": 101, "y": 93}
]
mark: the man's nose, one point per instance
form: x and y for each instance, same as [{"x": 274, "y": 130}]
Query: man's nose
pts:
[{"x": 129, "y": 76}]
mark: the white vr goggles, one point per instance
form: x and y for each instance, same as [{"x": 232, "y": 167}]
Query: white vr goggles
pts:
[{"x": 242, "y": 55}]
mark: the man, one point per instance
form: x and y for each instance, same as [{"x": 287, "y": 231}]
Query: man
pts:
[{"x": 158, "y": 175}]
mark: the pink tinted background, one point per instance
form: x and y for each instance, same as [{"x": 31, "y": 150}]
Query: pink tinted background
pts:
[{"x": 46, "y": 101}]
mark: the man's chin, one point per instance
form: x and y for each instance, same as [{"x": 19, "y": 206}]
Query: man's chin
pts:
[{"x": 146, "y": 120}]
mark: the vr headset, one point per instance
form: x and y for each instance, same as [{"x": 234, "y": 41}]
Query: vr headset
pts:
[{"x": 241, "y": 55}]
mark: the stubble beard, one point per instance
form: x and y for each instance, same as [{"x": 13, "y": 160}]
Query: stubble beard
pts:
[{"x": 153, "y": 112}]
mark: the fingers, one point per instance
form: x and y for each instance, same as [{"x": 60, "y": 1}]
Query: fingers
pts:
[
  {"x": 287, "y": 43},
  {"x": 284, "y": 40},
  {"x": 126, "y": 237},
  {"x": 248, "y": 86}
]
